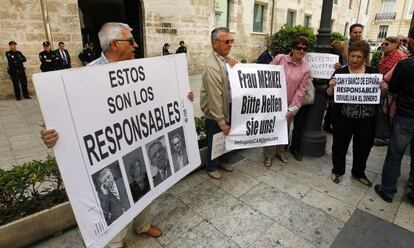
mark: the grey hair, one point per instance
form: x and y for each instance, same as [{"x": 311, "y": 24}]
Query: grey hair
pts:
[
  {"x": 102, "y": 174},
  {"x": 216, "y": 32},
  {"x": 393, "y": 39},
  {"x": 111, "y": 31}
]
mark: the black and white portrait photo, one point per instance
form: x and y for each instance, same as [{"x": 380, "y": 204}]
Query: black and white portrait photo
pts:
[
  {"x": 111, "y": 191},
  {"x": 137, "y": 174},
  {"x": 158, "y": 156},
  {"x": 178, "y": 148}
]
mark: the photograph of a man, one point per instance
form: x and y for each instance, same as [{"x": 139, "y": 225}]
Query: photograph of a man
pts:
[
  {"x": 178, "y": 148},
  {"x": 111, "y": 192},
  {"x": 137, "y": 174},
  {"x": 160, "y": 166}
]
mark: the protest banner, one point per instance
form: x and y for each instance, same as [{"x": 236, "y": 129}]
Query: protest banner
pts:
[
  {"x": 321, "y": 64},
  {"x": 357, "y": 88},
  {"x": 126, "y": 134},
  {"x": 259, "y": 106}
]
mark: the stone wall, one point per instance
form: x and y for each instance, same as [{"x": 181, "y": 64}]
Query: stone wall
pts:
[{"x": 22, "y": 21}]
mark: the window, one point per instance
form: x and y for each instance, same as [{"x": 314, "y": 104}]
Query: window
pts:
[
  {"x": 366, "y": 10},
  {"x": 350, "y": 4},
  {"x": 410, "y": 10},
  {"x": 291, "y": 17},
  {"x": 258, "y": 17},
  {"x": 346, "y": 29},
  {"x": 307, "y": 21},
  {"x": 388, "y": 6},
  {"x": 382, "y": 31},
  {"x": 222, "y": 13}
]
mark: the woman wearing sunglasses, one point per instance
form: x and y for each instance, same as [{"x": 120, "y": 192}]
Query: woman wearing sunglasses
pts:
[
  {"x": 297, "y": 74},
  {"x": 353, "y": 121}
]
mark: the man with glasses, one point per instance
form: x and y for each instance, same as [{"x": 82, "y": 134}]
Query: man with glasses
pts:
[
  {"x": 215, "y": 98},
  {"x": 118, "y": 45}
]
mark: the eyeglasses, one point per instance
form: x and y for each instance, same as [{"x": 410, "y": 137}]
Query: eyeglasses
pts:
[
  {"x": 130, "y": 40},
  {"x": 385, "y": 44},
  {"x": 227, "y": 42},
  {"x": 299, "y": 48}
]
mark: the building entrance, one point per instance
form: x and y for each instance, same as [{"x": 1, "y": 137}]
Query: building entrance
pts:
[{"x": 94, "y": 13}]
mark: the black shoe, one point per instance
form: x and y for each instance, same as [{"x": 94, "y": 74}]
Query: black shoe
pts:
[
  {"x": 296, "y": 155},
  {"x": 327, "y": 128},
  {"x": 380, "y": 142},
  {"x": 410, "y": 198},
  {"x": 336, "y": 178},
  {"x": 380, "y": 192},
  {"x": 27, "y": 97},
  {"x": 18, "y": 98},
  {"x": 364, "y": 180}
]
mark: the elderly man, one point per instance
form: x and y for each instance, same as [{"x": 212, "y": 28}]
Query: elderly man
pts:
[
  {"x": 402, "y": 132},
  {"x": 160, "y": 167},
  {"x": 215, "y": 96},
  {"x": 117, "y": 44},
  {"x": 178, "y": 151},
  {"x": 113, "y": 196}
]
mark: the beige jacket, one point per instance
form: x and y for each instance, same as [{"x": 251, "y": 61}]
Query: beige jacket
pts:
[
  {"x": 344, "y": 52},
  {"x": 214, "y": 95}
]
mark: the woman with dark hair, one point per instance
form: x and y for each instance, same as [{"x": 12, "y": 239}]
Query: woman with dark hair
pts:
[
  {"x": 138, "y": 182},
  {"x": 297, "y": 74},
  {"x": 165, "y": 50},
  {"x": 353, "y": 121}
]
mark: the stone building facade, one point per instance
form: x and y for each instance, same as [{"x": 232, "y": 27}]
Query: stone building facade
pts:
[
  {"x": 389, "y": 18},
  {"x": 30, "y": 22}
]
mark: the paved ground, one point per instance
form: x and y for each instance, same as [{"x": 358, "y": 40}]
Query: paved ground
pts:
[{"x": 288, "y": 205}]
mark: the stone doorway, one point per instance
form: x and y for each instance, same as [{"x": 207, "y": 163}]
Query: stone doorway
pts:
[{"x": 94, "y": 13}]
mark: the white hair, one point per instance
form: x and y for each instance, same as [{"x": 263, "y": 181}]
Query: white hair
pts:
[{"x": 111, "y": 31}]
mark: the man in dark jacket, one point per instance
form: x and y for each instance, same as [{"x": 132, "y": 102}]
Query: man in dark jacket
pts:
[
  {"x": 65, "y": 61},
  {"x": 16, "y": 71},
  {"x": 402, "y": 84},
  {"x": 50, "y": 61}
]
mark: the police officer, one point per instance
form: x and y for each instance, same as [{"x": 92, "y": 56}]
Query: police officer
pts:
[
  {"x": 88, "y": 54},
  {"x": 15, "y": 68},
  {"x": 49, "y": 59}
]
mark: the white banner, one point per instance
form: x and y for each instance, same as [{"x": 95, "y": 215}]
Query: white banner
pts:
[
  {"x": 357, "y": 88},
  {"x": 259, "y": 106},
  {"x": 126, "y": 134},
  {"x": 322, "y": 64}
]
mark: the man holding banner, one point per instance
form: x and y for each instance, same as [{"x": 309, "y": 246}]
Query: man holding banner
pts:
[
  {"x": 215, "y": 96},
  {"x": 117, "y": 44}
]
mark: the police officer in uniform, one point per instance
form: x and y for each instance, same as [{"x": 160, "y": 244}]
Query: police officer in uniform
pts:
[
  {"x": 88, "y": 54},
  {"x": 50, "y": 60},
  {"x": 15, "y": 61}
]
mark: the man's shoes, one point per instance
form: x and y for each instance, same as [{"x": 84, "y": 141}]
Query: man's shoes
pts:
[
  {"x": 216, "y": 174},
  {"x": 226, "y": 167},
  {"x": 18, "y": 98},
  {"x": 296, "y": 155},
  {"x": 364, "y": 180},
  {"x": 378, "y": 189},
  {"x": 267, "y": 162},
  {"x": 336, "y": 178},
  {"x": 410, "y": 197},
  {"x": 153, "y": 231},
  {"x": 282, "y": 156},
  {"x": 380, "y": 142},
  {"x": 27, "y": 97}
]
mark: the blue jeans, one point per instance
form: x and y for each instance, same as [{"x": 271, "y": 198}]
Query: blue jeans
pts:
[
  {"x": 212, "y": 128},
  {"x": 401, "y": 135}
]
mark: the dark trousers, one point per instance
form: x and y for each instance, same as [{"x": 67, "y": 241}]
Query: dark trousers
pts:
[
  {"x": 299, "y": 123},
  {"x": 362, "y": 133},
  {"x": 18, "y": 78},
  {"x": 212, "y": 128}
]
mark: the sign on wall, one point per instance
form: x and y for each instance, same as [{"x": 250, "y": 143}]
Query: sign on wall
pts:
[{"x": 126, "y": 134}]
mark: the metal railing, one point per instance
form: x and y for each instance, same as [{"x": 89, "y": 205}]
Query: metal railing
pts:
[{"x": 386, "y": 16}]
